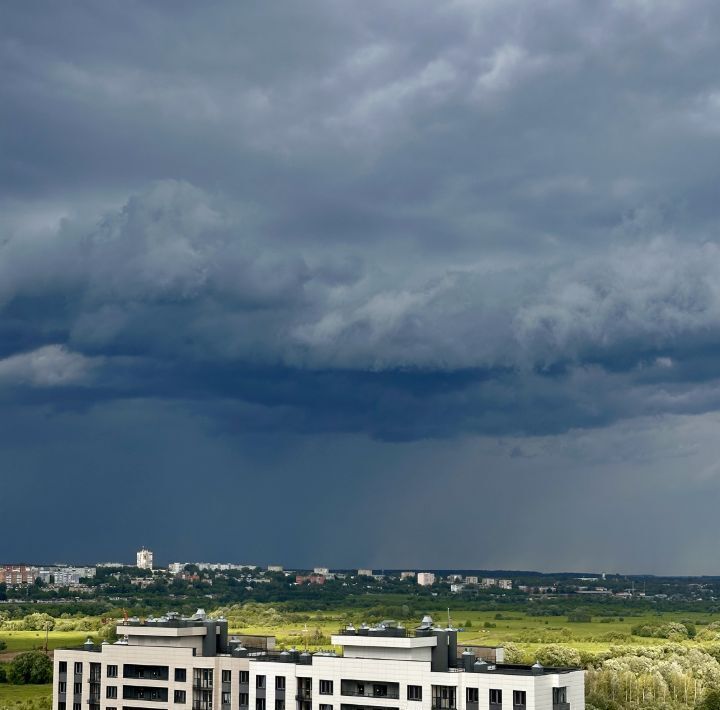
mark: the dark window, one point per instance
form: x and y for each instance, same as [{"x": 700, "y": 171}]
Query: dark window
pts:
[
  {"x": 180, "y": 675},
  {"x": 226, "y": 676},
  {"x": 443, "y": 697},
  {"x": 279, "y": 705},
  {"x": 279, "y": 682},
  {"x": 77, "y": 706},
  {"x": 259, "y": 681},
  {"x": 77, "y": 688},
  {"x": 414, "y": 692},
  {"x": 472, "y": 695},
  {"x": 111, "y": 692},
  {"x": 62, "y": 667},
  {"x": 326, "y": 687},
  {"x": 325, "y": 707},
  {"x": 203, "y": 678},
  {"x": 244, "y": 700},
  {"x": 495, "y": 696},
  {"x": 259, "y": 703},
  {"x": 559, "y": 695},
  {"x": 78, "y": 667},
  {"x": 62, "y": 686},
  {"x": 61, "y": 705},
  {"x": 179, "y": 696},
  {"x": 519, "y": 698},
  {"x": 225, "y": 697},
  {"x": 111, "y": 672},
  {"x": 244, "y": 677}
]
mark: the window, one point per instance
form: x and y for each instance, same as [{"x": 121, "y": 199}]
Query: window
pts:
[
  {"x": 559, "y": 695},
  {"x": 260, "y": 681},
  {"x": 203, "y": 678},
  {"x": 225, "y": 697},
  {"x": 111, "y": 692},
  {"x": 62, "y": 686},
  {"x": 179, "y": 697},
  {"x": 62, "y": 667},
  {"x": 414, "y": 692},
  {"x": 325, "y": 707},
  {"x": 326, "y": 687},
  {"x": 279, "y": 682},
  {"x": 259, "y": 703},
  {"x": 495, "y": 696},
  {"x": 77, "y": 688},
  {"x": 227, "y": 676},
  {"x": 180, "y": 675},
  {"x": 472, "y": 695},
  {"x": 61, "y": 705},
  {"x": 279, "y": 705},
  {"x": 111, "y": 672},
  {"x": 78, "y": 667},
  {"x": 244, "y": 700},
  {"x": 443, "y": 697},
  {"x": 519, "y": 698},
  {"x": 244, "y": 677},
  {"x": 77, "y": 706}
]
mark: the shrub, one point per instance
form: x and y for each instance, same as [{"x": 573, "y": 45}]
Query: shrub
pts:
[
  {"x": 557, "y": 655},
  {"x": 30, "y": 667}
]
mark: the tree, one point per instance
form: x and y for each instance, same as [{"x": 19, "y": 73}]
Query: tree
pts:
[
  {"x": 30, "y": 667},
  {"x": 3, "y": 645},
  {"x": 557, "y": 655},
  {"x": 711, "y": 701}
]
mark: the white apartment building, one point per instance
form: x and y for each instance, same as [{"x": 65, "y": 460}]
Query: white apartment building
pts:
[
  {"x": 63, "y": 575},
  {"x": 425, "y": 579},
  {"x": 364, "y": 573},
  {"x": 144, "y": 559},
  {"x": 191, "y": 663}
]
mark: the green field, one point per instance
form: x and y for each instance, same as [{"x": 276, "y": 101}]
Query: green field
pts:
[
  {"x": 24, "y": 696},
  {"x": 527, "y": 632},
  {"x": 28, "y": 640}
]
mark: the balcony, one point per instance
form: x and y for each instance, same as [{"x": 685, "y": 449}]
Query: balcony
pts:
[
  {"x": 304, "y": 694},
  {"x": 388, "y": 695}
]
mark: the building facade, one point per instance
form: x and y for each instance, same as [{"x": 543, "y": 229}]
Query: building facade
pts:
[
  {"x": 144, "y": 559},
  {"x": 425, "y": 579},
  {"x": 18, "y": 575},
  {"x": 192, "y": 663}
]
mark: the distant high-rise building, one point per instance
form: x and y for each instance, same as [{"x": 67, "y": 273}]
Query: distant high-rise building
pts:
[
  {"x": 144, "y": 559},
  {"x": 275, "y": 568},
  {"x": 407, "y": 575},
  {"x": 425, "y": 579},
  {"x": 365, "y": 573}
]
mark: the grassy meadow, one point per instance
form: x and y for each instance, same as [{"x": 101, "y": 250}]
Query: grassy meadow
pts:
[
  {"x": 24, "y": 696},
  {"x": 494, "y": 628}
]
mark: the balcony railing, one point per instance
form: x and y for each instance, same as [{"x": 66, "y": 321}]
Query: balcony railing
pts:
[
  {"x": 389, "y": 695},
  {"x": 561, "y": 706}
]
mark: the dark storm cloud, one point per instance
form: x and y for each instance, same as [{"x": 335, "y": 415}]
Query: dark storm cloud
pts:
[{"x": 397, "y": 222}]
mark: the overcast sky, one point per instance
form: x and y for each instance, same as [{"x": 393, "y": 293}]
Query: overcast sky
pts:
[{"x": 398, "y": 284}]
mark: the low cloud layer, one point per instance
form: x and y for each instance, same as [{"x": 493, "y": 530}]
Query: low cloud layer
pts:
[{"x": 414, "y": 224}]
